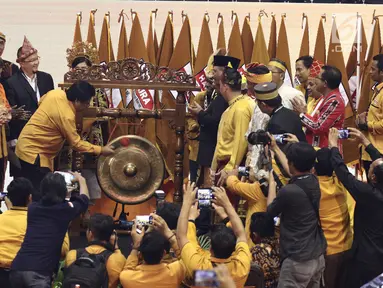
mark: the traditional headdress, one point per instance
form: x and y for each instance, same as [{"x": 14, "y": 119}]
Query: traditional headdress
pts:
[
  {"x": 27, "y": 50},
  {"x": 266, "y": 91},
  {"x": 256, "y": 78},
  {"x": 81, "y": 49},
  {"x": 226, "y": 61},
  {"x": 315, "y": 68},
  {"x": 2, "y": 36},
  {"x": 210, "y": 62},
  {"x": 278, "y": 63}
]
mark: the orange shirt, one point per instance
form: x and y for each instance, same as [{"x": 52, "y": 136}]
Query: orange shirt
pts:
[{"x": 45, "y": 133}]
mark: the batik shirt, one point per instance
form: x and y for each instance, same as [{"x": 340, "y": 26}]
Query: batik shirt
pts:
[{"x": 266, "y": 256}]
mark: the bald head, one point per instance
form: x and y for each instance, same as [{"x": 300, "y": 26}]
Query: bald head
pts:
[{"x": 375, "y": 174}]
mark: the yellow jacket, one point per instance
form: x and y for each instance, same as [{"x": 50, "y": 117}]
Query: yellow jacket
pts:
[
  {"x": 334, "y": 215},
  {"x": 192, "y": 124},
  {"x": 3, "y": 136},
  {"x": 49, "y": 127},
  {"x": 375, "y": 121}
]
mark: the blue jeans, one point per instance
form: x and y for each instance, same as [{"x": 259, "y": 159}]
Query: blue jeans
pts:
[{"x": 29, "y": 279}]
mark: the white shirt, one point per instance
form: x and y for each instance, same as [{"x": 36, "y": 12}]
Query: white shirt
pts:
[
  {"x": 288, "y": 93},
  {"x": 33, "y": 83}
]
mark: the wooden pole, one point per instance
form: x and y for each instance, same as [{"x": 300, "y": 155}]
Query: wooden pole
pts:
[{"x": 180, "y": 131}]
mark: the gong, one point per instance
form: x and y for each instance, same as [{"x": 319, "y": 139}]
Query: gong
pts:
[{"x": 133, "y": 173}]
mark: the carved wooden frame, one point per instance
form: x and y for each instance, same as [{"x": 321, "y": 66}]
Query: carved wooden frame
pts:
[{"x": 131, "y": 73}]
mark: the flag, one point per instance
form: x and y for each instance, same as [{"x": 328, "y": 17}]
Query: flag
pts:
[
  {"x": 205, "y": 49},
  {"x": 352, "y": 63},
  {"x": 305, "y": 44},
  {"x": 165, "y": 49},
  {"x": 123, "y": 47},
  {"x": 335, "y": 58},
  {"x": 234, "y": 47},
  {"x": 367, "y": 83},
  {"x": 247, "y": 40},
  {"x": 260, "y": 53},
  {"x": 91, "y": 38},
  {"x": 221, "y": 42},
  {"x": 151, "y": 44},
  {"x": 182, "y": 59},
  {"x": 320, "y": 44},
  {"x": 77, "y": 30},
  {"x": 283, "y": 51},
  {"x": 272, "y": 50},
  {"x": 105, "y": 51}
]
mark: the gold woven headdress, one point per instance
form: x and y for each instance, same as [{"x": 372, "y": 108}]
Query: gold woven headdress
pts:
[{"x": 81, "y": 49}]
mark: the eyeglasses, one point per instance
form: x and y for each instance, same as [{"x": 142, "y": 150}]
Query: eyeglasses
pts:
[{"x": 34, "y": 60}]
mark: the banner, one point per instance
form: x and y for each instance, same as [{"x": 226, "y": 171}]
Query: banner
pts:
[
  {"x": 105, "y": 50},
  {"x": 77, "y": 30},
  {"x": 234, "y": 47},
  {"x": 91, "y": 37},
  {"x": 320, "y": 43},
  {"x": 305, "y": 44},
  {"x": 283, "y": 52},
  {"x": 221, "y": 42},
  {"x": 272, "y": 49},
  {"x": 260, "y": 53},
  {"x": 247, "y": 40}
]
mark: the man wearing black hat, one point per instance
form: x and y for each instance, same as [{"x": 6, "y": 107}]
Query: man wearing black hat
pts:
[
  {"x": 282, "y": 120},
  {"x": 231, "y": 142},
  {"x": 208, "y": 120}
]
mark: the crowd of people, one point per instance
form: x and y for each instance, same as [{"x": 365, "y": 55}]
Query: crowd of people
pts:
[{"x": 264, "y": 145}]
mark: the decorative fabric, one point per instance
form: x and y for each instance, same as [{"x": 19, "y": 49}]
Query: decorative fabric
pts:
[
  {"x": 266, "y": 256},
  {"x": 315, "y": 68},
  {"x": 256, "y": 78},
  {"x": 278, "y": 65},
  {"x": 27, "y": 50}
]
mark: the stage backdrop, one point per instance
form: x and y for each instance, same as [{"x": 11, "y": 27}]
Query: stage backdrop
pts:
[{"x": 49, "y": 25}]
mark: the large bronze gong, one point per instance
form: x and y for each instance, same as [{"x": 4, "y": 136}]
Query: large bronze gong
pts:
[{"x": 133, "y": 173}]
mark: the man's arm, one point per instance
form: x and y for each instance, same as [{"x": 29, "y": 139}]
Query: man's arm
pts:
[
  {"x": 132, "y": 261},
  {"x": 182, "y": 224},
  {"x": 79, "y": 204},
  {"x": 211, "y": 117},
  {"x": 370, "y": 149},
  {"x": 249, "y": 191},
  {"x": 330, "y": 113},
  {"x": 221, "y": 199},
  {"x": 272, "y": 189}
]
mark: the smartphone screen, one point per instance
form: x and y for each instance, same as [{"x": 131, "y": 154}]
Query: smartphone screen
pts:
[
  {"x": 67, "y": 176},
  {"x": 204, "y": 197},
  {"x": 205, "y": 278}
]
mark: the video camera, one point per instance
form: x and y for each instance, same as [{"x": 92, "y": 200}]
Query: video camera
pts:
[{"x": 260, "y": 137}]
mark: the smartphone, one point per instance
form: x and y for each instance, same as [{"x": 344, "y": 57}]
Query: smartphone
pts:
[
  {"x": 205, "y": 278},
  {"x": 160, "y": 194},
  {"x": 3, "y": 195},
  {"x": 67, "y": 176},
  {"x": 344, "y": 133},
  {"x": 280, "y": 138},
  {"x": 204, "y": 197}
]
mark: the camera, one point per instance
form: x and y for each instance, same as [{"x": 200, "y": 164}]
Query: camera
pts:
[
  {"x": 205, "y": 278},
  {"x": 280, "y": 138},
  {"x": 258, "y": 137},
  {"x": 243, "y": 171},
  {"x": 344, "y": 133},
  {"x": 204, "y": 197},
  {"x": 68, "y": 180}
]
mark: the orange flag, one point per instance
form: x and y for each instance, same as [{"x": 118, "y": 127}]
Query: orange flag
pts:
[
  {"x": 123, "y": 48},
  {"x": 105, "y": 50},
  {"x": 260, "y": 53},
  {"x": 273, "y": 38},
  {"x": 151, "y": 44},
  {"x": 367, "y": 83},
  {"x": 352, "y": 63},
  {"x": 77, "y": 30},
  {"x": 335, "y": 58},
  {"x": 283, "y": 51},
  {"x": 234, "y": 46},
  {"x": 182, "y": 59},
  {"x": 165, "y": 49},
  {"x": 247, "y": 40},
  {"x": 320, "y": 44},
  {"x": 91, "y": 38},
  {"x": 221, "y": 42},
  {"x": 305, "y": 45},
  {"x": 205, "y": 49}
]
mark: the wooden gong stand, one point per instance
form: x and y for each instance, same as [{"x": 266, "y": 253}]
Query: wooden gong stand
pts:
[{"x": 131, "y": 73}]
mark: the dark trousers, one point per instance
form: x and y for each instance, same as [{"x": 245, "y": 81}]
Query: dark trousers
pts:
[
  {"x": 29, "y": 279},
  {"x": 360, "y": 273},
  {"x": 193, "y": 167},
  {"x": 4, "y": 278},
  {"x": 335, "y": 271},
  {"x": 366, "y": 166},
  {"x": 35, "y": 174},
  {"x": 3, "y": 166}
]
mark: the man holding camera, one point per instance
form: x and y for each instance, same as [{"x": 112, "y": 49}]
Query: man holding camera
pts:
[
  {"x": 228, "y": 245},
  {"x": 231, "y": 143}
]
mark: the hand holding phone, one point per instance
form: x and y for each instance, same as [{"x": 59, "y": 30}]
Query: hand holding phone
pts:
[{"x": 205, "y": 278}]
